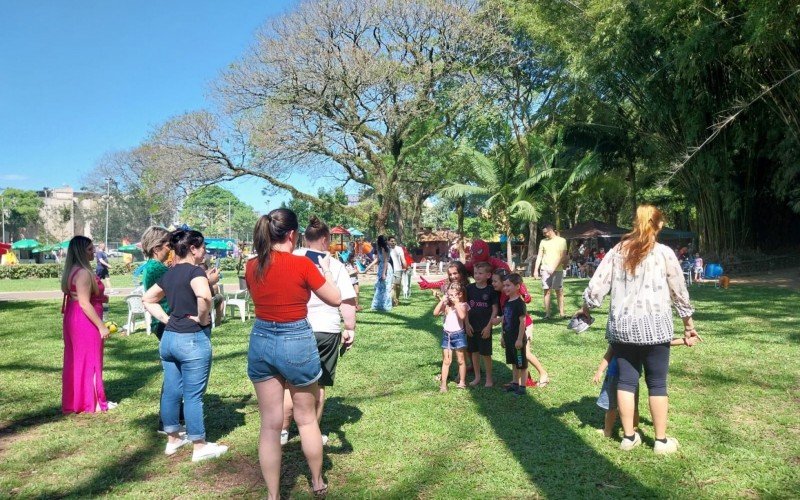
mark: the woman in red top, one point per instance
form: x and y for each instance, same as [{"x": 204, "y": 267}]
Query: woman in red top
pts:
[{"x": 283, "y": 351}]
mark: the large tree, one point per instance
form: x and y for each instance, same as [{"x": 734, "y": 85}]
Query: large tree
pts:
[
  {"x": 21, "y": 212},
  {"x": 217, "y": 212},
  {"x": 354, "y": 84}
]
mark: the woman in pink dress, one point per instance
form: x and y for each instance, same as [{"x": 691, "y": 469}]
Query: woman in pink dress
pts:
[{"x": 84, "y": 332}]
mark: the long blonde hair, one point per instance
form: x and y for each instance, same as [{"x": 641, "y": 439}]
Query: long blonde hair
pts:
[
  {"x": 641, "y": 240},
  {"x": 76, "y": 257}
]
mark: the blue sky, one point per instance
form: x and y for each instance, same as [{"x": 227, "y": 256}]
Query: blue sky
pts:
[{"x": 80, "y": 79}]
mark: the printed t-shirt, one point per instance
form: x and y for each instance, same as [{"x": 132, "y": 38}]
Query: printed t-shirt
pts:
[
  {"x": 321, "y": 316},
  {"x": 504, "y": 298},
  {"x": 177, "y": 286},
  {"x": 511, "y": 314},
  {"x": 551, "y": 252},
  {"x": 480, "y": 302},
  {"x": 283, "y": 292}
]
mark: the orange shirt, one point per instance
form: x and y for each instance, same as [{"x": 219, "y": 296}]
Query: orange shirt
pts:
[{"x": 283, "y": 293}]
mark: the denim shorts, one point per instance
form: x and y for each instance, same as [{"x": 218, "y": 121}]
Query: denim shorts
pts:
[
  {"x": 607, "y": 399},
  {"x": 454, "y": 340},
  {"x": 287, "y": 350}
]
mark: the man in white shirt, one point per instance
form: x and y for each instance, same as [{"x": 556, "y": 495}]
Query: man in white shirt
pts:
[
  {"x": 325, "y": 320},
  {"x": 399, "y": 265}
]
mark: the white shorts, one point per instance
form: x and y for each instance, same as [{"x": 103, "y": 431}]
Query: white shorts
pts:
[{"x": 552, "y": 279}]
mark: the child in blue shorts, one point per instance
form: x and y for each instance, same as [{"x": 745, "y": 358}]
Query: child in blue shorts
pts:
[
  {"x": 608, "y": 392},
  {"x": 454, "y": 308}
]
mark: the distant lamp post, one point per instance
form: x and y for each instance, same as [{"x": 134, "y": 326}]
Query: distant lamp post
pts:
[
  {"x": 3, "y": 210},
  {"x": 108, "y": 200}
]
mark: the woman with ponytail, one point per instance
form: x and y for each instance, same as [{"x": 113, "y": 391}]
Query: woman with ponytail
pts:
[
  {"x": 645, "y": 280},
  {"x": 283, "y": 350},
  {"x": 84, "y": 332}
]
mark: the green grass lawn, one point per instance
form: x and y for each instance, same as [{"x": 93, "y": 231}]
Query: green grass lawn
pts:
[
  {"x": 50, "y": 284},
  {"x": 734, "y": 409}
]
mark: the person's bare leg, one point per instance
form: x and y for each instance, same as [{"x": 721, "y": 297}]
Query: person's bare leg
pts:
[
  {"x": 476, "y": 368},
  {"x": 487, "y": 365},
  {"x": 462, "y": 368},
  {"x": 625, "y": 403},
  {"x": 270, "y": 407},
  {"x": 659, "y": 406},
  {"x": 547, "y": 303},
  {"x": 447, "y": 358},
  {"x": 560, "y": 295},
  {"x": 320, "y": 402},
  {"x": 288, "y": 410},
  {"x": 543, "y": 377},
  {"x": 305, "y": 415},
  {"x": 610, "y": 420}
]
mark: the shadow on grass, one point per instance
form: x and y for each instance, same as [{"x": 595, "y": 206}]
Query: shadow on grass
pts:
[
  {"x": 337, "y": 415},
  {"x": 553, "y": 456}
]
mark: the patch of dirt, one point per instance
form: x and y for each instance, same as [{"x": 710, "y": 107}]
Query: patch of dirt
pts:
[
  {"x": 235, "y": 473},
  {"x": 780, "y": 278}
]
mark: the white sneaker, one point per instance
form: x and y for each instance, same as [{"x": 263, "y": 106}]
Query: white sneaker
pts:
[
  {"x": 629, "y": 444},
  {"x": 171, "y": 449},
  {"x": 284, "y": 437},
  {"x": 324, "y": 440},
  {"x": 671, "y": 446},
  {"x": 210, "y": 450},
  {"x": 112, "y": 405}
]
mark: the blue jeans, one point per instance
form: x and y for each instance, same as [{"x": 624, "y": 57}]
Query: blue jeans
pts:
[
  {"x": 186, "y": 359},
  {"x": 287, "y": 350}
]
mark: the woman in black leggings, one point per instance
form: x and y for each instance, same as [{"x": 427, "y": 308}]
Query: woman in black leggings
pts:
[{"x": 645, "y": 280}]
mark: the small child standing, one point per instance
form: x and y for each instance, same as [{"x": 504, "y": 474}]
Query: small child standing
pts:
[
  {"x": 483, "y": 306},
  {"x": 607, "y": 399},
  {"x": 454, "y": 338},
  {"x": 498, "y": 277},
  {"x": 698, "y": 267},
  {"x": 513, "y": 339}
]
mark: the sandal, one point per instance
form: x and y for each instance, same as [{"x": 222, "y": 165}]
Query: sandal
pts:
[
  {"x": 322, "y": 492},
  {"x": 543, "y": 383}
]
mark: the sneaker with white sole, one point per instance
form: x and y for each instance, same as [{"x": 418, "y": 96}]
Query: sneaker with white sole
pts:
[
  {"x": 284, "y": 437},
  {"x": 629, "y": 444},
  {"x": 324, "y": 440},
  {"x": 210, "y": 450},
  {"x": 171, "y": 449},
  {"x": 661, "y": 448}
]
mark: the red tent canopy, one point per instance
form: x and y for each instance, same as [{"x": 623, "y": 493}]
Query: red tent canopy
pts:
[
  {"x": 340, "y": 230},
  {"x": 5, "y": 248}
]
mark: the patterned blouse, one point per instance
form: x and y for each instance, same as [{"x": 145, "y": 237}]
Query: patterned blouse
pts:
[{"x": 640, "y": 311}]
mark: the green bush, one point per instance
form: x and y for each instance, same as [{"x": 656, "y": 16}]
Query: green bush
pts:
[{"x": 22, "y": 271}]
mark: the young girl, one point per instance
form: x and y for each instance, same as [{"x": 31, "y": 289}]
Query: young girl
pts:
[
  {"x": 497, "y": 283},
  {"x": 456, "y": 273},
  {"x": 454, "y": 337}
]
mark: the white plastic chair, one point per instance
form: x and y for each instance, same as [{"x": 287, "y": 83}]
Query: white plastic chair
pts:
[
  {"x": 135, "y": 307},
  {"x": 239, "y": 300}
]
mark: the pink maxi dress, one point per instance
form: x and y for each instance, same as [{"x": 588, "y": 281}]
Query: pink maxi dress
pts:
[{"x": 82, "y": 377}]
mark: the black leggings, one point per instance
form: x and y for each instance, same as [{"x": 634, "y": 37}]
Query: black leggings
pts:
[{"x": 631, "y": 358}]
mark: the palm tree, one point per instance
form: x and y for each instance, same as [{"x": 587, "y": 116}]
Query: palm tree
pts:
[{"x": 503, "y": 181}]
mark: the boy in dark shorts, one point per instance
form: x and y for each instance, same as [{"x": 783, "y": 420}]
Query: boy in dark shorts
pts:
[
  {"x": 513, "y": 339},
  {"x": 483, "y": 306}
]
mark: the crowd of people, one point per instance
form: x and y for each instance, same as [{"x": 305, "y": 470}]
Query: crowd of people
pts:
[{"x": 303, "y": 297}]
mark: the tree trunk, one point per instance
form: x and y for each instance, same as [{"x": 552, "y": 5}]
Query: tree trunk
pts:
[
  {"x": 634, "y": 189},
  {"x": 509, "y": 254},
  {"x": 533, "y": 235},
  {"x": 462, "y": 252}
]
